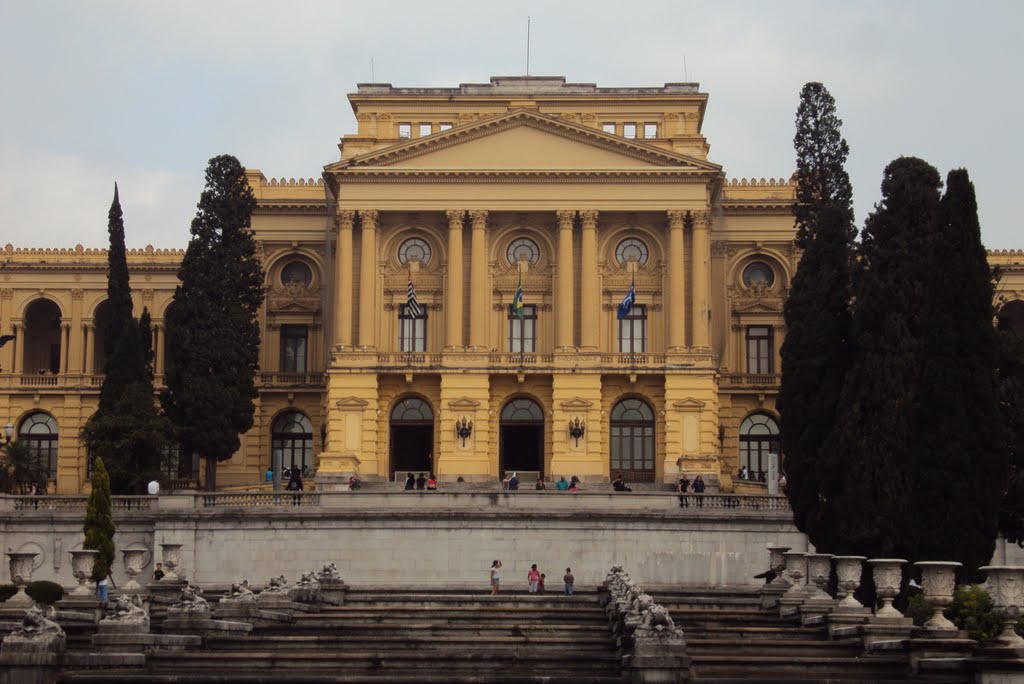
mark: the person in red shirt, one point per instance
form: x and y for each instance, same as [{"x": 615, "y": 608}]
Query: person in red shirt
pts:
[{"x": 533, "y": 577}]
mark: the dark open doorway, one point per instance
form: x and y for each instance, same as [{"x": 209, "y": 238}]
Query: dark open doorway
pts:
[
  {"x": 412, "y": 437},
  {"x": 522, "y": 436}
]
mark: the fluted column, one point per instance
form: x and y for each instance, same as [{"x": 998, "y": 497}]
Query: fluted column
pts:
[
  {"x": 368, "y": 279},
  {"x": 90, "y": 347},
  {"x": 19, "y": 347},
  {"x": 676, "y": 277},
  {"x": 563, "y": 306},
  {"x": 701, "y": 258},
  {"x": 590, "y": 301},
  {"x": 480, "y": 294},
  {"x": 343, "y": 279},
  {"x": 453, "y": 302}
]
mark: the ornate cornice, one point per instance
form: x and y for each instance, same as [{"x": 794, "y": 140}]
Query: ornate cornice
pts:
[{"x": 581, "y": 176}]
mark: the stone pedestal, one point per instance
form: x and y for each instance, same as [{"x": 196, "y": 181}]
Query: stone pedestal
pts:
[
  {"x": 770, "y": 594},
  {"x": 659, "y": 651},
  {"x": 878, "y": 630}
]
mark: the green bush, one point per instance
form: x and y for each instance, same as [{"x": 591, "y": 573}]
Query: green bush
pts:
[
  {"x": 7, "y": 591},
  {"x": 971, "y": 610},
  {"x": 44, "y": 592},
  {"x": 918, "y": 607}
]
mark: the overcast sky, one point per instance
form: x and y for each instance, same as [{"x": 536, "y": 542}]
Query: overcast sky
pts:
[{"x": 145, "y": 93}]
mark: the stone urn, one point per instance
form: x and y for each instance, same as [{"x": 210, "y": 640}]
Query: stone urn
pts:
[
  {"x": 134, "y": 560},
  {"x": 888, "y": 575},
  {"x": 777, "y": 563},
  {"x": 1006, "y": 582},
  {"x": 819, "y": 567},
  {"x": 848, "y": 569},
  {"x": 938, "y": 579},
  {"x": 21, "y": 565},
  {"x": 81, "y": 568},
  {"x": 796, "y": 570},
  {"x": 172, "y": 561}
]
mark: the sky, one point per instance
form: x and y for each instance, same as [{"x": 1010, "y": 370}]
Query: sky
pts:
[{"x": 144, "y": 93}]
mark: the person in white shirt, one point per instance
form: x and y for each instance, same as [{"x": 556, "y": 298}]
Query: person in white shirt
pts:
[{"x": 153, "y": 488}]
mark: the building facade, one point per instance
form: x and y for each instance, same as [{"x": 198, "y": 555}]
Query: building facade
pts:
[{"x": 571, "y": 194}]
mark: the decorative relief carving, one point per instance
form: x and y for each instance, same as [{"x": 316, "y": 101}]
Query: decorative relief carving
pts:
[
  {"x": 77, "y": 293},
  {"x": 565, "y": 216},
  {"x": 293, "y": 296},
  {"x": 675, "y": 218},
  {"x": 369, "y": 218},
  {"x": 6, "y": 293},
  {"x": 478, "y": 217},
  {"x": 590, "y": 117},
  {"x": 719, "y": 248},
  {"x": 344, "y": 218},
  {"x": 455, "y": 218},
  {"x": 701, "y": 219},
  {"x": 589, "y": 217},
  {"x": 147, "y": 295}
]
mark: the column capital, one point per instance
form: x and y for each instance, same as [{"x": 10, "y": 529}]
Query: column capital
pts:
[
  {"x": 478, "y": 217},
  {"x": 701, "y": 219},
  {"x": 369, "y": 218},
  {"x": 589, "y": 217},
  {"x": 344, "y": 218},
  {"x": 455, "y": 217},
  {"x": 565, "y": 218},
  {"x": 676, "y": 217}
]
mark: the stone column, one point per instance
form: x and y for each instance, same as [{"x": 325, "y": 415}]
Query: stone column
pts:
[
  {"x": 563, "y": 307},
  {"x": 90, "y": 347},
  {"x": 19, "y": 348},
  {"x": 65, "y": 346},
  {"x": 676, "y": 273},
  {"x": 590, "y": 299},
  {"x": 368, "y": 279},
  {"x": 453, "y": 302},
  {"x": 701, "y": 259},
  {"x": 343, "y": 279},
  {"x": 161, "y": 347},
  {"x": 480, "y": 292}
]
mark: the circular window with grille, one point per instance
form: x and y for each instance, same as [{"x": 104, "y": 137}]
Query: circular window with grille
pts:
[
  {"x": 758, "y": 274},
  {"x": 414, "y": 249},
  {"x": 631, "y": 249},
  {"x": 523, "y": 248},
  {"x": 296, "y": 271}
]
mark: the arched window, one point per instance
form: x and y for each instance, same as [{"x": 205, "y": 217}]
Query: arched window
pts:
[
  {"x": 414, "y": 249},
  {"x": 760, "y": 274},
  {"x": 292, "y": 440},
  {"x": 296, "y": 272},
  {"x": 42, "y": 352},
  {"x": 631, "y": 249},
  {"x": 523, "y": 248},
  {"x": 39, "y": 431},
  {"x": 412, "y": 410},
  {"x": 759, "y": 436},
  {"x": 522, "y": 411},
  {"x": 632, "y": 440}
]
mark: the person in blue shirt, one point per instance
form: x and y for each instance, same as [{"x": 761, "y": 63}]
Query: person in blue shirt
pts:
[{"x": 562, "y": 484}]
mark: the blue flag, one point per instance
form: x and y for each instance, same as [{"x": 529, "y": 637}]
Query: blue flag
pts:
[{"x": 626, "y": 305}]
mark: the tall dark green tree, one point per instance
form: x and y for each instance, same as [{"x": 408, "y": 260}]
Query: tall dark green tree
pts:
[
  {"x": 816, "y": 351},
  {"x": 1010, "y": 355},
  {"x": 958, "y": 454},
  {"x": 119, "y": 291},
  {"x": 99, "y": 522},
  {"x": 866, "y": 486},
  {"x": 213, "y": 335}
]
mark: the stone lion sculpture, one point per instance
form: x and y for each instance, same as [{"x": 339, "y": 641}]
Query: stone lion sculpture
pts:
[
  {"x": 192, "y": 600},
  {"x": 239, "y": 592},
  {"x": 38, "y": 621},
  {"x": 128, "y": 609},
  {"x": 656, "y": 618},
  {"x": 276, "y": 586},
  {"x": 330, "y": 572}
]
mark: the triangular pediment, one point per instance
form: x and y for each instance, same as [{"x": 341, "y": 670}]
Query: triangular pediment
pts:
[
  {"x": 688, "y": 404},
  {"x": 352, "y": 403},
  {"x": 463, "y": 403},
  {"x": 577, "y": 403},
  {"x": 523, "y": 140},
  {"x": 759, "y": 307}
]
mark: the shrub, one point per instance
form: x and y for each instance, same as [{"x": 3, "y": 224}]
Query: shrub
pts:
[
  {"x": 918, "y": 608},
  {"x": 7, "y": 591},
  {"x": 971, "y": 610},
  {"x": 44, "y": 592}
]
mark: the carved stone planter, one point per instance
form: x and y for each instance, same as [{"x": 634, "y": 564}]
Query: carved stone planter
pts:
[
  {"x": 777, "y": 561},
  {"x": 21, "y": 566},
  {"x": 1007, "y": 586},
  {"x": 888, "y": 575},
  {"x": 796, "y": 571},
  {"x": 81, "y": 568},
  {"x": 171, "y": 554},
  {"x": 938, "y": 579},
  {"x": 819, "y": 567},
  {"x": 848, "y": 569},
  {"x": 134, "y": 560}
]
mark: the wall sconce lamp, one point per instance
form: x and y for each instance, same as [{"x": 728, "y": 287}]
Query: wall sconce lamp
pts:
[
  {"x": 463, "y": 428},
  {"x": 576, "y": 429},
  {"x": 8, "y": 433}
]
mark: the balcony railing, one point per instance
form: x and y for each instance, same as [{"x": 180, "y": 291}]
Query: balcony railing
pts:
[
  {"x": 751, "y": 380},
  {"x": 633, "y": 359},
  {"x": 260, "y": 499},
  {"x": 409, "y": 359},
  {"x": 80, "y": 502},
  {"x": 283, "y": 379},
  {"x": 524, "y": 359}
]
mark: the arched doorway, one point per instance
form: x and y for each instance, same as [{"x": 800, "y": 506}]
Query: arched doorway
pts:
[
  {"x": 522, "y": 436},
  {"x": 632, "y": 441},
  {"x": 42, "y": 338},
  {"x": 412, "y": 437},
  {"x": 39, "y": 432},
  {"x": 291, "y": 440},
  {"x": 759, "y": 436}
]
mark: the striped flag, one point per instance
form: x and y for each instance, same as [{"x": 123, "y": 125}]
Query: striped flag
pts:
[
  {"x": 626, "y": 305},
  {"x": 517, "y": 303},
  {"x": 410, "y": 299}
]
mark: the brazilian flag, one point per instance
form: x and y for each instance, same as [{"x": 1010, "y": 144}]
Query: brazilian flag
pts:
[{"x": 517, "y": 303}]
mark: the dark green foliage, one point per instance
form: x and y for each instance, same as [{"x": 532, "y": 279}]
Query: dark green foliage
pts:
[
  {"x": 7, "y": 591},
  {"x": 99, "y": 522},
  {"x": 119, "y": 292},
  {"x": 971, "y": 610},
  {"x": 20, "y": 467},
  {"x": 43, "y": 591},
  {"x": 213, "y": 335},
  {"x": 957, "y": 453},
  {"x": 816, "y": 351},
  {"x": 918, "y": 609},
  {"x": 146, "y": 338},
  {"x": 1010, "y": 358}
]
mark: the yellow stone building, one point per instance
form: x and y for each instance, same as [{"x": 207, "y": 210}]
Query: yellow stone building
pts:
[{"x": 575, "y": 193}]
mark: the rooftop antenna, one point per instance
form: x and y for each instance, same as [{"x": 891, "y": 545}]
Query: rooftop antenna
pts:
[
  {"x": 372, "y": 79},
  {"x": 686, "y": 74},
  {"x": 527, "y": 46}
]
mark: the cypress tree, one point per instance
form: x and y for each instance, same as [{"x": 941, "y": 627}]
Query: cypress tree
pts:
[
  {"x": 1010, "y": 356},
  {"x": 958, "y": 455},
  {"x": 815, "y": 353},
  {"x": 119, "y": 291},
  {"x": 213, "y": 334},
  {"x": 99, "y": 522},
  {"x": 868, "y": 478}
]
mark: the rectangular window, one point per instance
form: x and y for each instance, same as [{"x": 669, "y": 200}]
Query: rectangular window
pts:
[
  {"x": 629, "y": 130},
  {"x": 650, "y": 130},
  {"x": 633, "y": 331},
  {"x": 608, "y": 128},
  {"x": 426, "y": 129},
  {"x": 522, "y": 333},
  {"x": 759, "y": 349},
  {"x": 446, "y": 127},
  {"x": 404, "y": 130},
  {"x": 293, "y": 348},
  {"x": 412, "y": 330}
]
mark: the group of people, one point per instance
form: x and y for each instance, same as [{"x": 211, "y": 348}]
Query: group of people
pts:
[
  {"x": 534, "y": 578},
  {"x": 421, "y": 483},
  {"x": 744, "y": 474},
  {"x": 683, "y": 487},
  {"x": 293, "y": 475}
]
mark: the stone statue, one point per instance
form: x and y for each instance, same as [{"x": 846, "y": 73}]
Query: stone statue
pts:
[
  {"x": 308, "y": 580},
  {"x": 330, "y": 573},
  {"x": 239, "y": 593},
  {"x": 191, "y": 601},
  {"x": 38, "y": 623},
  {"x": 276, "y": 586},
  {"x": 656, "y": 618},
  {"x": 128, "y": 610}
]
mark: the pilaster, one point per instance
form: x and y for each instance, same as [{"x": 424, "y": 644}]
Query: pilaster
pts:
[
  {"x": 564, "y": 303},
  {"x": 577, "y": 395},
  {"x": 701, "y": 279},
  {"x": 453, "y": 339},
  {"x": 691, "y": 427},
  {"x": 480, "y": 294},
  {"x": 590, "y": 300},
  {"x": 465, "y": 395},
  {"x": 368, "y": 303},
  {"x": 351, "y": 429}
]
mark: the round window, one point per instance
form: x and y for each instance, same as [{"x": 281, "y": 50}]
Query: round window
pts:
[
  {"x": 414, "y": 249},
  {"x": 758, "y": 273},
  {"x": 631, "y": 249},
  {"x": 296, "y": 272},
  {"x": 523, "y": 248}
]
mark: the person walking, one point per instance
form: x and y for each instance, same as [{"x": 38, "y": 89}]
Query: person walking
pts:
[
  {"x": 568, "y": 580},
  {"x": 533, "y": 577},
  {"x": 495, "y": 577}
]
